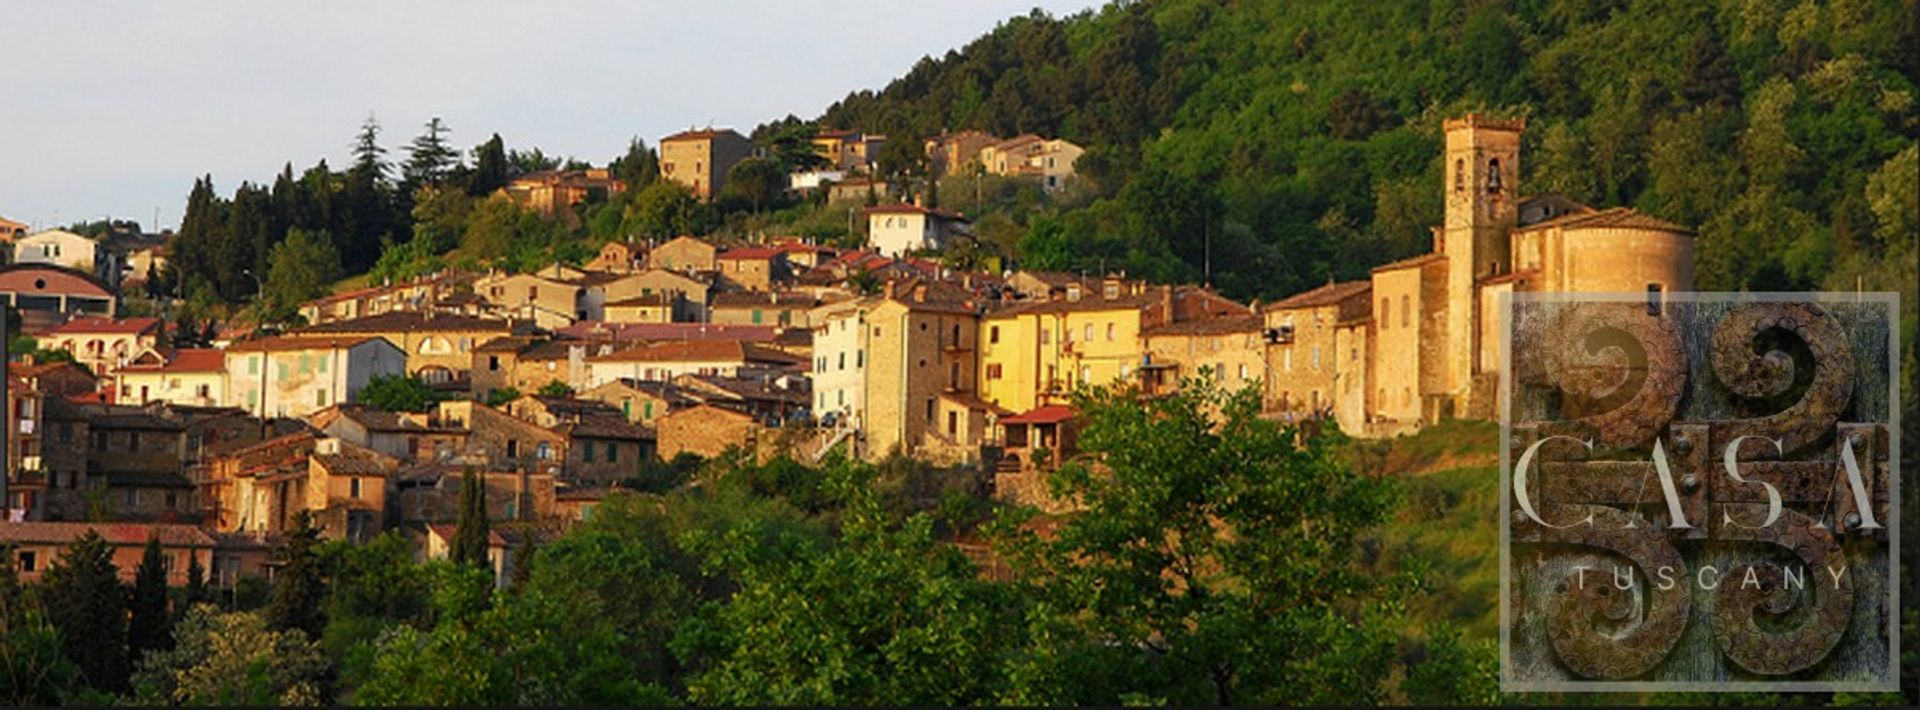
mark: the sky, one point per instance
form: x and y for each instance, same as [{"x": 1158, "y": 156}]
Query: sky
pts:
[{"x": 112, "y": 108}]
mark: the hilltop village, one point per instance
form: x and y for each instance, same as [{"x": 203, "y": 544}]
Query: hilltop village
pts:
[{"x": 555, "y": 387}]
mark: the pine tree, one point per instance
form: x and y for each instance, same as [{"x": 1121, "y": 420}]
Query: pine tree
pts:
[
  {"x": 299, "y": 591},
  {"x": 429, "y": 158},
  {"x": 489, "y": 167},
  {"x": 368, "y": 155},
  {"x": 148, "y": 627},
  {"x": 473, "y": 530},
  {"x": 87, "y": 603}
]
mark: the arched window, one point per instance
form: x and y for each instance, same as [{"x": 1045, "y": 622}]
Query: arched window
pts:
[
  {"x": 1460, "y": 175},
  {"x": 1405, "y": 308},
  {"x": 1493, "y": 176},
  {"x": 1386, "y": 317}
]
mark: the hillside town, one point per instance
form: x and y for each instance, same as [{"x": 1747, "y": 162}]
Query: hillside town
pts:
[{"x": 556, "y": 387}]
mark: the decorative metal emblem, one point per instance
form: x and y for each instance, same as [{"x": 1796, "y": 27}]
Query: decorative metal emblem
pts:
[{"x": 1700, "y": 492}]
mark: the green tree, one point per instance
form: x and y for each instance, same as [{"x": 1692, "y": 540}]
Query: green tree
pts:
[
  {"x": 510, "y": 651},
  {"x": 470, "y": 542},
  {"x": 429, "y": 157},
  {"x": 491, "y": 230},
  {"x": 499, "y": 397},
  {"x": 233, "y": 658},
  {"x": 302, "y": 267},
  {"x": 196, "y": 590},
  {"x": 298, "y": 599},
  {"x": 1211, "y": 562},
  {"x": 665, "y": 209},
  {"x": 755, "y": 182},
  {"x": 556, "y": 388},
  {"x": 34, "y": 669},
  {"x": 891, "y": 615},
  {"x": 398, "y": 393},
  {"x": 87, "y": 604},
  {"x": 638, "y": 167},
  {"x": 149, "y": 628},
  {"x": 489, "y": 167}
]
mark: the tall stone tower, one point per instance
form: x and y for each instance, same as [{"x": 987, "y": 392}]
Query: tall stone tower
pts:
[{"x": 1482, "y": 188}]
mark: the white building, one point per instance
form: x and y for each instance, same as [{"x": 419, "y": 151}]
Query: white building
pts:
[
  {"x": 297, "y": 375},
  {"x": 840, "y": 361},
  {"x": 59, "y": 247},
  {"x": 895, "y": 230}
]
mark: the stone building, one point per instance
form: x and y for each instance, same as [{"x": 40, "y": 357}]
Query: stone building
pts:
[
  {"x": 1436, "y": 353},
  {"x": 700, "y": 159},
  {"x": 1318, "y": 353}
]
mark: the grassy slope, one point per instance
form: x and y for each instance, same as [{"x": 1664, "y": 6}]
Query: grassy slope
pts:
[{"x": 1446, "y": 526}]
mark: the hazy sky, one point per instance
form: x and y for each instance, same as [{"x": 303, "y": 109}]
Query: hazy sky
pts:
[{"x": 113, "y": 108}]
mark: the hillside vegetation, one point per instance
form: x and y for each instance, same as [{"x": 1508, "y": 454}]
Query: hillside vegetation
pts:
[{"x": 1291, "y": 142}]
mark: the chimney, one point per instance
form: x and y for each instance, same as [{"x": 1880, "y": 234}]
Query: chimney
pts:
[
  {"x": 889, "y": 291},
  {"x": 920, "y": 293}
]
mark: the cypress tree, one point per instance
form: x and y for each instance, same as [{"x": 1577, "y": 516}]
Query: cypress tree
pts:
[
  {"x": 298, "y": 590},
  {"x": 88, "y": 605},
  {"x": 196, "y": 591},
  {"x": 470, "y": 539},
  {"x": 490, "y": 167},
  {"x": 522, "y": 562},
  {"x": 148, "y": 628}
]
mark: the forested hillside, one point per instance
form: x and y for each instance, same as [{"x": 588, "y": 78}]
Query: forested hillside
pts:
[{"x": 1300, "y": 140}]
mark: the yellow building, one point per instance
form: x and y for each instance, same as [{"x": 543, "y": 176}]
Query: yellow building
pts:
[
  {"x": 1231, "y": 348},
  {"x": 1036, "y": 353}
]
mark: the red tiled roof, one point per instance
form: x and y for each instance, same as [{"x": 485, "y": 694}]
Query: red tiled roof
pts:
[
  {"x": 106, "y": 326},
  {"x": 121, "y": 534},
  {"x": 188, "y": 360},
  {"x": 750, "y": 253},
  {"x": 701, "y": 134},
  {"x": 285, "y": 343},
  {"x": 602, "y": 330},
  {"x": 696, "y": 351},
  {"x": 1048, "y": 414},
  {"x": 1323, "y": 296},
  {"x": 906, "y": 208},
  {"x": 1408, "y": 263}
]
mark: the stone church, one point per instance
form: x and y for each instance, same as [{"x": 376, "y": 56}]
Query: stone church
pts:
[{"x": 1435, "y": 333}]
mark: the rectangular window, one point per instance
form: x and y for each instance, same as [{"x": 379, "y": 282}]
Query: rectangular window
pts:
[
  {"x": 320, "y": 397},
  {"x": 133, "y": 497},
  {"x": 29, "y": 561},
  {"x": 929, "y": 410},
  {"x": 586, "y": 452},
  {"x": 253, "y": 365},
  {"x": 993, "y": 334},
  {"x": 993, "y": 371},
  {"x": 99, "y": 441},
  {"x": 322, "y": 365},
  {"x": 647, "y": 411},
  {"x": 612, "y": 452},
  {"x": 353, "y": 487}
]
